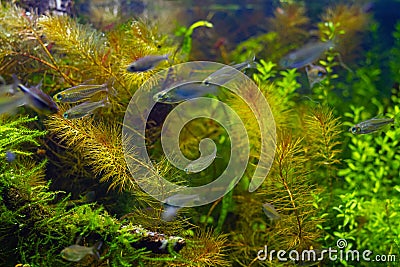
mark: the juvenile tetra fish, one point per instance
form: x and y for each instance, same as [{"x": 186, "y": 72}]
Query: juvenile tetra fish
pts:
[
  {"x": 76, "y": 252},
  {"x": 305, "y": 55},
  {"x": 184, "y": 92},
  {"x": 36, "y": 98},
  {"x": 370, "y": 126},
  {"x": 80, "y": 92},
  {"x": 271, "y": 212},
  {"x": 201, "y": 163},
  {"x": 146, "y": 63},
  {"x": 315, "y": 74},
  {"x": 84, "y": 109},
  {"x": 225, "y": 74}
]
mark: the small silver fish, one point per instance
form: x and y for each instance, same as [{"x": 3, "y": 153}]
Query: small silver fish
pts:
[
  {"x": 80, "y": 92},
  {"x": 184, "y": 92},
  {"x": 315, "y": 74},
  {"x": 201, "y": 163},
  {"x": 37, "y": 99},
  {"x": 84, "y": 109},
  {"x": 271, "y": 212},
  {"x": 76, "y": 253},
  {"x": 146, "y": 63},
  {"x": 305, "y": 55},
  {"x": 225, "y": 74},
  {"x": 370, "y": 126}
]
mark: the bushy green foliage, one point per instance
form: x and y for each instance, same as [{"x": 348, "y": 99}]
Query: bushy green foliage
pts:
[
  {"x": 360, "y": 172},
  {"x": 37, "y": 221}
]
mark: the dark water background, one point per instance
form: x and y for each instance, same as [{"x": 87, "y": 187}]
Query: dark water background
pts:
[
  {"x": 234, "y": 20},
  {"x": 237, "y": 19}
]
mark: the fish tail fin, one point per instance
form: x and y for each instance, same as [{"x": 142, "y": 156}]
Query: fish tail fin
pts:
[
  {"x": 113, "y": 91},
  {"x": 106, "y": 101},
  {"x": 170, "y": 59},
  {"x": 96, "y": 249},
  {"x": 252, "y": 65},
  {"x": 39, "y": 85},
  {"x": 251, "y": 62},
  {"x": 251, "y": 58}
]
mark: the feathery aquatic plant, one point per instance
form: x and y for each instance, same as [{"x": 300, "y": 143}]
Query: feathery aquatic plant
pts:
[
  {"x": 322, "y": 137},
  {"x": 351, "y": 21},
  {"x": 289, "y": 22}
]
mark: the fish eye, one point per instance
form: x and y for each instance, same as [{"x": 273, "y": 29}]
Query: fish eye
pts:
[
  {"x": 131, "y": 68},
  {"x": 65, "y": 115},
  {"x": 59, "y": 97},
  {"x": 355, "y": 129}
]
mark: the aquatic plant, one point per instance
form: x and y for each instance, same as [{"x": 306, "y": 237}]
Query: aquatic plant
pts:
[
  {"x": 323, "y": 132},
  {"x": 290, "y": 23},
  {"x": 280, "y": 88},
  {"x": 186, "y": 46},
  {"x": 13, "y": 135},
  {"x": 261, "y": 46},
  {"x": 71, "y": 53},
  {"x": 350, "y": 22},
  {"x": 395, "y": 54}
]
